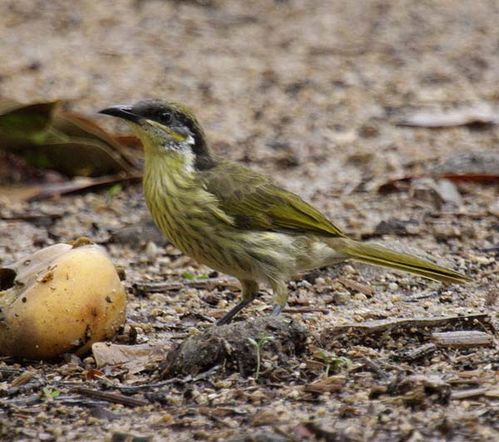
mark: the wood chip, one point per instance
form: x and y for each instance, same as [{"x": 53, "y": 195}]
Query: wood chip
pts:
[
  {"x": 424, "y": 351},
  {"x": 330, "y": 384}
]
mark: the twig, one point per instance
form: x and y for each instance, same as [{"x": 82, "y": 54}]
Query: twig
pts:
[
  {"x": 354, "y": 285},
  {"x": 41, "y": 218},
  {"x": 116, "y": 398},
  {"x": 466, "y": 394},
  {"x": 306, "y": 310},
  {"x": 382, "y": 325},
  {"x": 207, "y": 284},
  {"x": 374, "y": 367},
  {"x": 9, "y": 371},
  {"x": 462, "y": 339},
  {"x": 424, "y": 295}
]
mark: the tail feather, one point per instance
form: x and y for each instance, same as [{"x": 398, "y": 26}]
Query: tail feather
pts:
[{"x": 380, "y": 256}]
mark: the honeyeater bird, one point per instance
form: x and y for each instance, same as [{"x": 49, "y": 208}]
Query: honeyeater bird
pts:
[{"x": 234, "y": 219}]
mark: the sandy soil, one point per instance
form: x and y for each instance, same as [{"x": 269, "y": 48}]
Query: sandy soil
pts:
[{"x": 309, "y": 92}]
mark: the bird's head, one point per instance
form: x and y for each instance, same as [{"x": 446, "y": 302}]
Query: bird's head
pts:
[{"x": 167, "y": 129}]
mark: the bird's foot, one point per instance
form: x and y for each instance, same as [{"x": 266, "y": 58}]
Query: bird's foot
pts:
[
  {"x": 277, "y": 310},
  {"x": 229, "y": 316}
]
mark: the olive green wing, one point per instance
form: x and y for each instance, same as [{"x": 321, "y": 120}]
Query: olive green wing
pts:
[{"x": 256, "y": 204}]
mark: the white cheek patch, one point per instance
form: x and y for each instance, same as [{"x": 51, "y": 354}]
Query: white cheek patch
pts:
[
  {"x": 180, "y": 146},
  {"x": 155, "y": 136}
]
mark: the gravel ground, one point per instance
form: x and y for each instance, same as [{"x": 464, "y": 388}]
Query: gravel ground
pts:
[{"x": 308, "y": 92}]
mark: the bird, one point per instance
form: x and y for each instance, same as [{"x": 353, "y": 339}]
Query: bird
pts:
[{"x": 235, "y": 219}]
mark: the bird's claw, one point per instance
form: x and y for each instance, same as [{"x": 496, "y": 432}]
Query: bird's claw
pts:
[{"x": 276, "y": 310}]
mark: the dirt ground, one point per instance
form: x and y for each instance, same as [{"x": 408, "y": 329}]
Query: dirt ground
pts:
[{"x": 308, "y": 91}]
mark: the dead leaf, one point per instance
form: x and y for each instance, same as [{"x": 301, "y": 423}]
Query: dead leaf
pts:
[
  {"x": 135, "y": 358},
  {"x": 24, "y": 122},
  {"x": 436, "y": 192},
  {"x": 64, "y": 141}
]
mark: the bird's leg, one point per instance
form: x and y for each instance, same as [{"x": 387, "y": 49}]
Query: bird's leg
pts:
[
  {"x": 250, "y": 289},
  {"x": 280, "y": 299}
]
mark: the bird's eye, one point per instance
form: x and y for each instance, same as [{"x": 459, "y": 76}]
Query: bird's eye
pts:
[{"x": 166, "y": 117}]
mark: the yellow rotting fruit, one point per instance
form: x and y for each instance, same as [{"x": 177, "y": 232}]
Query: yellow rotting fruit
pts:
[{"x": 60, "y": 299}]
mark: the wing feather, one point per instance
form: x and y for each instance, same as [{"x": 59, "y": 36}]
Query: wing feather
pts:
[{"x": 255, "y": 203}]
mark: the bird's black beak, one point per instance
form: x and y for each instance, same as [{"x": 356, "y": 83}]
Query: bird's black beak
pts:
[{"x": 122, "y": 111}]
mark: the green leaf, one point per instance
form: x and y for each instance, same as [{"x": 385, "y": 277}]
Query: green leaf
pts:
[
  {"x": 188, "y": 275},
  {"x": 50, "y": 393}
]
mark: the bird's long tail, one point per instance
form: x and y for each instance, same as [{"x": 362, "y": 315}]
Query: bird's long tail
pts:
[{"x": 381, "y": 256}]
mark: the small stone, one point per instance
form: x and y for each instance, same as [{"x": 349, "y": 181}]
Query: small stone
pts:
[
  {"x": 152, "y": 251},
  {"x": 360, "y": 297},
  {"x": 445, "y": 231},
  {"x": 349, "y": 270},
  {"x": 89, "y": 360},
  {"x": 341, "y": 298},
  {"x": 483, "y": 260},
  {"x": 158, "y": 297}
]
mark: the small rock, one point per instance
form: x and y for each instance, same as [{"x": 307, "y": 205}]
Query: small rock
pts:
[
  {"x": 445, "y": 231},
  {"x": 360, "y": 297},
  {"x": 395, "y": 226},
  {"x": 341, "y": 298},
  {"x": 437, "y": 193},
  {"x": 152, "y": 251}
]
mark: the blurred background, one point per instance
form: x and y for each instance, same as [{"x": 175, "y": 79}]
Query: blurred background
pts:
[{"x": 306, "y": 84}]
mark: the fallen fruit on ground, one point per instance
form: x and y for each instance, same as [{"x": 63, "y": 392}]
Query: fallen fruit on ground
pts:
[{"x": 60, "y": 299}]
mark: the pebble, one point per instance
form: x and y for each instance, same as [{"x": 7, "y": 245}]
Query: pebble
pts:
[
  {"x": 360, "y": 297},
  {"x": 341, "y": 298},
  {"x": 152, "y": 251},
  {"x": 89, "y": 360},
  {"x": 293, "y": 394},
  {"x": 393, "y": 286},
  {"x": 481, "y": 259},
  {"x": 349, "y": 270}
]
